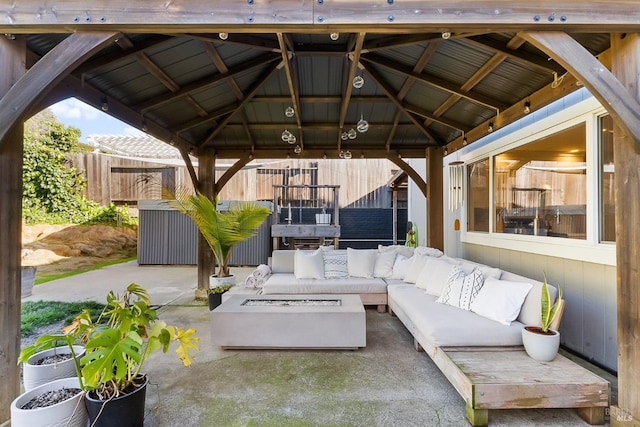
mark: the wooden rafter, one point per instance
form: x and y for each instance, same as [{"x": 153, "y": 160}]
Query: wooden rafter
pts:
[
  {"x": 595, "y": 76},
  {"x": 247, "y": 97},
  {"x": 549, "y": 66},
  {"x": 434, "y": 81},
  {"x": 348, "y": 87},
  {"x": 285, "y": 46},
  {"x": 46, "y": 73},
  {"x": 313, "y": 126},
  {"x": 425, "y": 57},
  {"x": 438, "y": 119},
  {"x": 208, "y": 81},
  {"x": 240, "y": 39},
  {"x": 115, "y": 57},
  {"x": 229, "y": 173},
  {"x": 388, "y": 90},
  {"x": 211, "y": 118},
  {"x": 399, "y": 41},
  {"x": 167, "y": 81}
]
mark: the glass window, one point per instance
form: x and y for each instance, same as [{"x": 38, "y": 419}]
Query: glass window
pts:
[
  {"x": 478, "y": 196},
  {"x": 607, "y": 181},
  {"x": 541, "y": 187}
]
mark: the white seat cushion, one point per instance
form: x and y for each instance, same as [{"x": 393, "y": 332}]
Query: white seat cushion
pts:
[{"x": 288, "y": 284}]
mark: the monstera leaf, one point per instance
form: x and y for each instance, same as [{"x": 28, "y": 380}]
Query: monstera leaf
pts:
[{"x": 109, "y": 357}]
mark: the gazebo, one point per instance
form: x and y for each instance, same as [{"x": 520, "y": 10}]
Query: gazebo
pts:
[{"x": 321, "y": 79}]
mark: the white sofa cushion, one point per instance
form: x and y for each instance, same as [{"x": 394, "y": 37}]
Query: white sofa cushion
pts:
[
  {"x": 400, "y": 267},
  {"x": 280, "y": 283},
  {"x": 384, "y": 264},
  {"x": 282, "y": 261},
  {"x": 434, "y": 275},
  {"x": 335, "y": 264},
  {"x": 415, "y": 268},
  {"x": 444, "y": 325},
  {"x": 500, "y": 300},
  {"x": 530, "y": 312},
  {"x": 308, "y": 264},
  {"x": 360, "y": 262},
  {"x": 461, "y": 289}
]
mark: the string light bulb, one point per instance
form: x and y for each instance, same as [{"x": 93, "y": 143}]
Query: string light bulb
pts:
[
  {"x": 334, "y": 36},
  {"x": 297, "y": 149},
  {"x": 352, "y": 133},
  {"x": 362, "y": 125},
  {"x": 490, "y": 128},
  {"x": 527, "y": 107},
  {"x": 358, "y": 82},
  {"x": 105, "y": 105},
  {"x": 289, "y": 112},
  {"x": 223, "y": 36},
  {"x": 446, "y": 35}
]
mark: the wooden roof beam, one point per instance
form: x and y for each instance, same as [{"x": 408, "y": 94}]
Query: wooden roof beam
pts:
[
  {"x": 434, "y": 81},
  {"x": 390, "y": 92},
  {"x": 292, "y": 81},
  {"x": 246, "y": 40},
  {"x": 244, "y": 67},
  {"x": 546, "y": 65},
  {"x": 115, "y": 57},
  {"x": 266, "y": 74},
  {"x": 346, "y": 97},
  {"x": 167, "y": 81},
  {"x": 438, "y": 119}
]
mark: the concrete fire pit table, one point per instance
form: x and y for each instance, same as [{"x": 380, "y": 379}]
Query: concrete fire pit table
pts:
[{"x": 290, "y": 322}]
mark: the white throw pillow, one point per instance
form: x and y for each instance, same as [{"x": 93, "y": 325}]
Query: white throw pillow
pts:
[
  {"x": 308, "y": 265},
  {"x": 401, "y": 266},
  {"x": 434, "y": 275},
  {"x": 384, "y": 264},
  {"x": 415, "y": 268},
  {"x": 500, "y": 300},
  {"x": 360, "y": 262},
  {"x": 425, "y": 250},
  {"x": 461, "y": 289},
  {"x": 335, "y": 264}
]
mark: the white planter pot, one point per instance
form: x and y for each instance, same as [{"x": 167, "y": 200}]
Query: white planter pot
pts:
[
  {"x": 28, "y": 278},
  {"x": 217, "y": 281},
  {"x": 541, "y": 347},
  {"x": 323, "y": 219},
  {"x": 35, "y": 375},
  {"x": 71, "y": 412}
]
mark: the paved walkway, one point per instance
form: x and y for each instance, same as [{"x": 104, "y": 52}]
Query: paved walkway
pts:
[{"x": 166, "y": 284}]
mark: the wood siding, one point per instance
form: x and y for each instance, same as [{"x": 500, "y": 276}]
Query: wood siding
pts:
[{"x": 363, "y": 182}]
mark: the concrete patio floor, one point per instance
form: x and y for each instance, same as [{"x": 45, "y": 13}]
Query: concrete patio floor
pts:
[{"x": 387, "y": 383}]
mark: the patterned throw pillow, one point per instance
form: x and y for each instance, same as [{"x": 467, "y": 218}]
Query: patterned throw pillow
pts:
[
  {"x": 335, "y": 264},
  {"x": 461, "y": 289}
]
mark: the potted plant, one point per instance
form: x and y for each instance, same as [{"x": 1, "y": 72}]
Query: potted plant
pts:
[
  {"x": 221, "y": 230},
  {"x": 215, "y": 295},
  {"x": 542, "y": 342},
  {"x": 56, "y": 403},
  {"x": 51, "y": 364},
  {"x": 117, "y": 344}
]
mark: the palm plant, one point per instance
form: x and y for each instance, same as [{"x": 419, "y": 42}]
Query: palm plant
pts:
[{"x": 221, "y": 230}]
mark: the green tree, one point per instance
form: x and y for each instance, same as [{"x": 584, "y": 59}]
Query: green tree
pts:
[{"x": 52, "y": 187}]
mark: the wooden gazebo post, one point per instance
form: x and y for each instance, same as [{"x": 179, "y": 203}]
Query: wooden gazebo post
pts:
[{"x": 12, "y": 67}]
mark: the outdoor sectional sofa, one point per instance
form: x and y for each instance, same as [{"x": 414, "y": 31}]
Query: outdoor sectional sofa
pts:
[{"x": 467, "y": 317}]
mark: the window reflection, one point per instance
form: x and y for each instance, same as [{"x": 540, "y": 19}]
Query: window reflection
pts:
[{"x": 540, "y": 187}]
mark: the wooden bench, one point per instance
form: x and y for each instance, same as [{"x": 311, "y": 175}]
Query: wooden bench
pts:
[{"x": 507, "y": 378}]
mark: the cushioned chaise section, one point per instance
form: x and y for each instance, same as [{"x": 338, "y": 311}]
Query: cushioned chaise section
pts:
[
  {"x": 288, "y": 284},
  {"x": 444, "y": 325}
]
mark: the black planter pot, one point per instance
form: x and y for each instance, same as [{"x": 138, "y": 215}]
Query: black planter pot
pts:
[
  {"x": 123, "y": 411},
  {"x": 214, "y": 300}
]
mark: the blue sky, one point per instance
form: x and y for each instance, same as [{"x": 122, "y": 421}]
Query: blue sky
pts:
[{"x": 89, "y": 120}]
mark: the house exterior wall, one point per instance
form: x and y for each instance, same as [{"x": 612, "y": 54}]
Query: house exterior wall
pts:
[
  {"x": 584, "y": 268},
  {"x": 417, "y": 203}
]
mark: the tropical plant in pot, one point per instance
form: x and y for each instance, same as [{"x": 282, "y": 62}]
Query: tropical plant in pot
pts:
[
  {"x": 542, "y": 342},
  {"x": 215, "y": 295},
  {"x": 117, "y": 344},
  {"x": 221, "y": 230}
]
